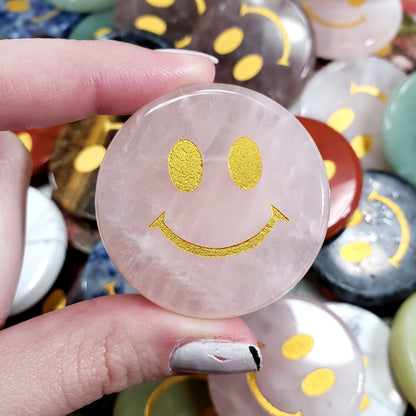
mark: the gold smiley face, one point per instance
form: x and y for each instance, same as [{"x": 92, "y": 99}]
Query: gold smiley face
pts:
[
  {"x": 314, "y": 384},
  {"x": 185, "y": 165}
]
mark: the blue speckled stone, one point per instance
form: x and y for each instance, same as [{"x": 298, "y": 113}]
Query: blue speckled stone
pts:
[
  {"x": 38, "y": 19},
  {"x": 100, "y": 276}
]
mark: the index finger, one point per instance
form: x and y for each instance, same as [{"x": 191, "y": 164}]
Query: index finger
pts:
[{"x": 46, "y": 82}]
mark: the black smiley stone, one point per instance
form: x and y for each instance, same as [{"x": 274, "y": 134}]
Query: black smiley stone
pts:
[{"x": 372, "y": 262}]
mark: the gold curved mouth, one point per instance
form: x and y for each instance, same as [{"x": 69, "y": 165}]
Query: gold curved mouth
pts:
[
  {"x": 307, "y": 8},
  {"x": 233, "y": 250}
]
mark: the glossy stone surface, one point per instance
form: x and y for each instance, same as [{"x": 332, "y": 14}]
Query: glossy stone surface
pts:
[
  {"x": 346, "y": 29},
  {"x": 40, "y": 143},
  {"x": 402, "y": 348},
  {"x": 75, "y": 160},
  {"x": 372, "y": 262},
  {"x": 312, "y": 365},
  {"x": 174, "y": 20},
  {"x": 83, "y": 6},
  {"x": 139, "y": 37},
  {"x": 100, "y": 277},
  {"x": 264, "y": 45},
  {"x": 34, "y": 18},
  {"x": 381, "y": 394},
  {"x": 352, "y": 97},
  {"x": 186, "y": 193},
  {"x": 45, "y": 250},
  {"x": 343, "y": 170},
  {"x": 399, "y": 129},
  {"x": 93, "y": 26},
  {"x": 181, "y": 395}
]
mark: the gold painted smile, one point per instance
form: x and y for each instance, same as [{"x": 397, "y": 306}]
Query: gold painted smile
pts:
[{"x": 233, "y": 250}]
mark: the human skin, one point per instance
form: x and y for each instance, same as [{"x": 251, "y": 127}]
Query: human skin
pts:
[{"x": 63, "y": 360}]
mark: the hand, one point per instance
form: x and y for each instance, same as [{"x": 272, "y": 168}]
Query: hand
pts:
[{"x": 63, "y": 360}]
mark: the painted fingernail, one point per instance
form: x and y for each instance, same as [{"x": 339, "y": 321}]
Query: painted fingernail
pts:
[
  {"x": 215, "y": 357},
  {"x": 189, "y": 52}
]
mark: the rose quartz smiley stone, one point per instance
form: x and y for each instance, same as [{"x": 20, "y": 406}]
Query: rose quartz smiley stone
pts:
[{"x": 212, "y": 201}]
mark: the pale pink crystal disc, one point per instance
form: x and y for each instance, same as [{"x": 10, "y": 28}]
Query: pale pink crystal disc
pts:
[{"x": 228, "y": 167}]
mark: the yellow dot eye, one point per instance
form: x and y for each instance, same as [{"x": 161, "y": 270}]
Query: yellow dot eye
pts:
[
  {"x": 185, "y": 165},
  {"x": 361, "y": 144},
  {"x": 160, "y": 3},
  {"x": 101, "y": 32},
  {"x": 89, "y": 158},
  {"x": 364, "y": 402},
  {"x": 245, "y": 163},
  {"x": 55, "y": 300},
  {"x": 17, "y": 6},
  {"x": 355, "y": 218},
  {"x": 356, "y": 3},
  {"x": 26, "y": 139},
  {"x": 356, "y": 251},
  {"x": 297, "y": 346},
  {"x": 318, "y": 382},
  {"x": 248, "y": 67},
  {"x": 228, "y": 40},
  {"x": 330, "y": 168},
  {"x": 341, "y": 119},
  {"x": 151, "y": 23}
]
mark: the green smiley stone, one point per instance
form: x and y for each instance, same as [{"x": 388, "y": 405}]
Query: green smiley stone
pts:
[
  {"x": 93, "y": 26},
  {"x": 402, "y": 348},
  {"x": 399, "y": 129},
  {"x": 83, "y": 6}
]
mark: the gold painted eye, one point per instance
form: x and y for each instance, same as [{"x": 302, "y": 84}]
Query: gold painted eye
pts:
[
  {"x": 361, "y": 144},
  {"x": 356, "y": 3},
  {"x": 356, "y": 251},
  {"x": 297, "y": 346},
  {"x": 151, "y": 23},
  {"x": 341, "y": 119},
  {"x": 185, "y": 165},
  {"x": 17, "y": 6},
  {"x": 245, "y": 163},
  {"x": 247, "y": 67},
  {"x": 318, "y": 382},
  {"x": 330, "y": 168},
  {"x": 26, "y": 139},
  {"x": 228, "y": 40},
  {"x": 160, "y": 3},
  {"x": 89, "y": 158}
]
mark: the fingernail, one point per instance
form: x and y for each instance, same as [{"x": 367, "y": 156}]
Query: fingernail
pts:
[
  {"x": 189, "y": 52},
  {"x": 215, "y": 357}
]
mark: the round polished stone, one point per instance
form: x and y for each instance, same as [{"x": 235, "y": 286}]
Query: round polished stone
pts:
[
  {"x": 372, "y": 262},
  {"x": 264, "y": 45},
  {"x": 45, "y": 250},
  {"x": 34, "y": 18},
  {"x": 399, "y": 129},
  {"x": 381, "y": 394},
  {"x": 174, "y": 20},
  {"x": 100, "y": 277},
  {"x": 223, "y": 211},
  {"x": 75, "y": 160},
  {"x": 409, "y": 6},
  {"x": 352, "y": 97},
  {"x": 343, "y": 170},
  {"x": 93, "y": 26},
  {"x": 402, "y": 348},
  {"x": 40, "y": 143},
  {"x": 83, "y": 6},
  {"x": 346, "y": 29},
  {"x": 139, "y": 37},
  {"x": 185, "y": 395},
  {"x": 312, "y": 365}
]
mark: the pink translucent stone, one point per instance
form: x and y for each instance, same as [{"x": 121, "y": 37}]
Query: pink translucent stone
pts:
[
  {"x": 302, "y": 341},
  {"x": 134, "y": 188},
  {"x": 352, "y": 28}
]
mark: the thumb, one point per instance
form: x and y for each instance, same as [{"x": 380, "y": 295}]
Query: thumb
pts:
[
  {"x": 63, "y": 360},
  {"x": 15, "y": 171}
]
